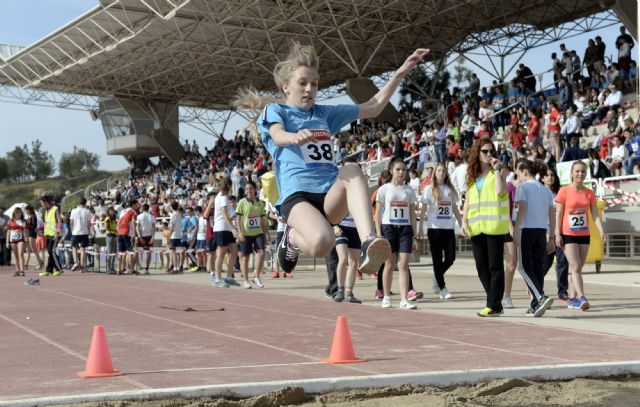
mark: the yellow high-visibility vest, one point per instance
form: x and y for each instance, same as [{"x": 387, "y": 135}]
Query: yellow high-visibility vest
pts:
[
  {"x": 50, "y": 223},
  {"x": 488, "y": 212}
]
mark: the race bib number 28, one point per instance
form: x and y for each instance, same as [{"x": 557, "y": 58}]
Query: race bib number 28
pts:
[
  {"x": 444, "y": 210},
  {"x": 318, "y": 153}
]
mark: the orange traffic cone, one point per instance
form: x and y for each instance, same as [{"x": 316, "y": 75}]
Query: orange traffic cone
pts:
[
  {"x": 99, "y": 360},
  {"x": 342, "y": 347}
]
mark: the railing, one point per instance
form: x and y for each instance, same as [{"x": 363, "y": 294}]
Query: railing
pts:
[
  {"x": 607, "y": 191},
  {"x": 70, "y": 201}
]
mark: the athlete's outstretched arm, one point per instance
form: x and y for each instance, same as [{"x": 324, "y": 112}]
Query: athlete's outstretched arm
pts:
[
  {"x": 283, "y": 138},
  {"x": 374, "y": 106}
]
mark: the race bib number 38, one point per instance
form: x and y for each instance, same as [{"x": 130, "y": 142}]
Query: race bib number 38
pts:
[
  {"x": 318, "y": 153},
  {"x": 577, "y": 219}
]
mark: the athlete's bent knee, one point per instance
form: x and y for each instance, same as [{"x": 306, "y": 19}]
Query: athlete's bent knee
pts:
[{"x": 321, "y": 244}]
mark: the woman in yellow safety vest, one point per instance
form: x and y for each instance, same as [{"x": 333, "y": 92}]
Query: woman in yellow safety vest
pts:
[
  {"x": 52, "y": 229},
  {"x": 486, "y": 220}
]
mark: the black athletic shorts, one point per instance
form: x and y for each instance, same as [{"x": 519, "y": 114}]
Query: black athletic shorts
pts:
[
  {"x": 400, "y": 237},
  {"x": 252, "y": 244},
  {"x": 80, "y": 240},
  {"x": 349, "y": 237},
  {"x": 315, "y": 199},
  {"x": 568, "y": 239}
]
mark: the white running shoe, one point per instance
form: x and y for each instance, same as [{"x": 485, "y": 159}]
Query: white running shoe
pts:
[
  {"x": 258, "y": 282},
  {"x": 507, "y": 303},
  {"x": 247, "y": 284},
  {"x": 404, "y": 304},
  {"x": 386, "y": 302},
  {"x": 434, "y": 285},
  {"x": 445, "y": 294}
]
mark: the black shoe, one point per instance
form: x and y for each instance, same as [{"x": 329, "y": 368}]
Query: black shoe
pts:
[
  {"x": 352, "y": 299},
  {"x": 375, "y": 252},
  {"x": 339, "y": 296},
  {"x": 287, "y": 258},
  {"x": 530, "y": 312}
]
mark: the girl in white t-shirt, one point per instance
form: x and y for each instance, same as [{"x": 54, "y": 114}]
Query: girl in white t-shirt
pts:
[
  {"x": 224, "y": 231},
  {"x": 439, "y": 202},
  {"x": 395, "y": 221}
]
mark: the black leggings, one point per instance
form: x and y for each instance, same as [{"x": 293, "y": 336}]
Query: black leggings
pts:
[
  {"x": 488, "y": 252},
  {"x": 442, "y": 242},
  {"x": 533, "y": 248},
  {"x": 52, "y": 262}
]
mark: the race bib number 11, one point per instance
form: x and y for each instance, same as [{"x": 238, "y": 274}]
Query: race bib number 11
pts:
[
  {"x": 399, "y": 213},
  {"x": 318, "y": 153}
]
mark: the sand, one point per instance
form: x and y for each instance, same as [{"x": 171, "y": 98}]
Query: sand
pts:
[{"x": 610, "y": 392}]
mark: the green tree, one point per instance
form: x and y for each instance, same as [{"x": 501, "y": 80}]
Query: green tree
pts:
[
  {"x": 462, "y": 73},
  {"x": 19, "y": 164},
  {"x": 42, "y": 163},
  {"x": 416, "y": 87},
  {"x": 4, "y": 169},
  {"x": 77, "y": 162}
]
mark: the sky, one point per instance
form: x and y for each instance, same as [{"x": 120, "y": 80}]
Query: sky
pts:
[{"x": 23, "y": 22}]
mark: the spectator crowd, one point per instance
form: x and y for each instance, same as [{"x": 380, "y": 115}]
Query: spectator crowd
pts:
[{"x": 582, "y": 115}]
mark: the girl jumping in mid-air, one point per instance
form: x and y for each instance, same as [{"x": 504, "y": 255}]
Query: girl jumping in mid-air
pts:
[{"x": 314, "y": 193}]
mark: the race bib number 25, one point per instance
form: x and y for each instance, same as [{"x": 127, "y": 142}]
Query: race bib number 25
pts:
[
  {"x": 578, "y": 220},
  {"x": 318, "y": 153}
]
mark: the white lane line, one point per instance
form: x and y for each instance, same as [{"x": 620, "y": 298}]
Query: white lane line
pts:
[
  {"x": 211, "y": 331},
  {"x": 65, "y": 349},
  {"x": 198, "y": 369},
  {"x": 352, "y": 323},
  {"x": 324, "y": 385}
]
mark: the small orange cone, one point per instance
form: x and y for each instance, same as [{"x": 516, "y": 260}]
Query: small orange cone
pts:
[
  {"x": 342, "y": 348},
  {"x": 99, "y": 360}
]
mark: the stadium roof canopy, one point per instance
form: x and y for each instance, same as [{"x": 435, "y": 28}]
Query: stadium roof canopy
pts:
[{"x": 199, "y": 52}]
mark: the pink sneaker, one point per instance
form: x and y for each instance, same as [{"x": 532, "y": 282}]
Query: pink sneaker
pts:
[
  {"x": 414, "y": 295},
  {"x": 379, "y": 295}
]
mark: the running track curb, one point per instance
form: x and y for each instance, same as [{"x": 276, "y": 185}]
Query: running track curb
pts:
[{"x": 323, "y": 385}]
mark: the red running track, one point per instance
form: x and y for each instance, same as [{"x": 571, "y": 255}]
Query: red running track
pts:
[{"x": 260, "y": 336}]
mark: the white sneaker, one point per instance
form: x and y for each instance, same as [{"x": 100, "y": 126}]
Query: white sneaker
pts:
[
  {"x": 404, "y": 304},
  {"x": 386, "y": 302},
  {"x": 507, "y": 303},
  {"x": 434, "y": 285},
  {"x": 257, "y": 282},
  {"x": 247, "y": 284},
  {"x": 445, "y": 294}
]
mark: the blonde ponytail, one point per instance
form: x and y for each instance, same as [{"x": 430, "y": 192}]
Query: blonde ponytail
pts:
[{"x": 249, "y": 98}]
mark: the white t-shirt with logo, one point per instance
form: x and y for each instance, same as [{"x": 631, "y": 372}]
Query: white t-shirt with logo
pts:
[
  {"x": 147, "y": 224},
  {"x": 396, "y": 202},
  {"x": 202, "y": 229},
  {"x": 81, "y": 218},
  {"x": 175, "y": 224},
  {"x": 220, "y": 224},
  {"x": 439, "y": 214}
]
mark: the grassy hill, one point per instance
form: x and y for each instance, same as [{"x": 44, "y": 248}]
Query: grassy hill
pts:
[{"x": 57, "y": 187}]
